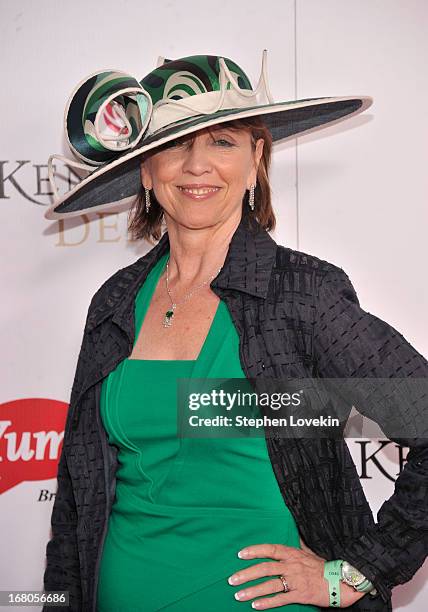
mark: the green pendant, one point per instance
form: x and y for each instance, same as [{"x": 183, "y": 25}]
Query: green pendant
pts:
[{"x": 168, "y": 318}]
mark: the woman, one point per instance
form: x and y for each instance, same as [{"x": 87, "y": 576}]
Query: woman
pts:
[{"x": 145, "y": 519}]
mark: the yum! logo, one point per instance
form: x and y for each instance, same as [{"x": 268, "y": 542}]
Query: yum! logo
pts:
[{"x": 31, "y": 435}]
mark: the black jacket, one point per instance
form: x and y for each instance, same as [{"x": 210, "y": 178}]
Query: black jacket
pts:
[{"x": 297, "y": 316}]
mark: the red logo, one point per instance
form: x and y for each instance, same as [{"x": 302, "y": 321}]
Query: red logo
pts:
[{"x": 31, "y": 435}]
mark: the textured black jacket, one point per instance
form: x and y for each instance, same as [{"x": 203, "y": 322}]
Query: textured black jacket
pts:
[{"x": 297, "y": 316}]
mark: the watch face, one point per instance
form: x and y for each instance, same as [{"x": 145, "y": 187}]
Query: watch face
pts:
[{"x": 351, "y": 575}]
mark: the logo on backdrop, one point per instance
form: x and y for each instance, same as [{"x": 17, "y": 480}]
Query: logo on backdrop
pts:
[
  {"x": 14, "y": 176},
  {"x": 31, "y": 435}
]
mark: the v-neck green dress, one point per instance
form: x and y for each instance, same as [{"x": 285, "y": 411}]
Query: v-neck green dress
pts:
[{"x": 183, "y": 507}]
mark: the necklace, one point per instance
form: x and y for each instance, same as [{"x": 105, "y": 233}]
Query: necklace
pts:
[{"x": 167, "y": 322}]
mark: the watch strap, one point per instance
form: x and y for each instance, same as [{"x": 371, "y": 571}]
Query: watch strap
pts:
[
  {"x": 366, "y": 587},
  {"x": 332, "y": 573}
]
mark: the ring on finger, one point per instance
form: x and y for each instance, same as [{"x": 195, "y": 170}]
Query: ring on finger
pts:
[{"x": 284, "y": 583}]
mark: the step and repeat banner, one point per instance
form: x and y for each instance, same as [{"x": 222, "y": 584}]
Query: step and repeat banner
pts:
[{"x": 354, "y": 194}]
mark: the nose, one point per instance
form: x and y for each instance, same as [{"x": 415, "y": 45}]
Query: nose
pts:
[{"x": 197, "y": 159}]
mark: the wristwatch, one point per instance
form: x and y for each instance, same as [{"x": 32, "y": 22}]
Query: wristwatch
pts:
[{"x": 354, "y": 578}]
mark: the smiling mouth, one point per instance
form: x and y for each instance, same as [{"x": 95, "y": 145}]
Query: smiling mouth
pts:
[{"x": 198, "y": 190}]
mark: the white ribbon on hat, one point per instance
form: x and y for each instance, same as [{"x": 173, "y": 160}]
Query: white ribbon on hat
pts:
[
  {"x": 167, "y": 111},
  {"x": 68, "y": 162}
]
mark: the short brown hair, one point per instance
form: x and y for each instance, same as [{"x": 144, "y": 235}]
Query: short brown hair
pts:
[{"x": 149, "y": 226}]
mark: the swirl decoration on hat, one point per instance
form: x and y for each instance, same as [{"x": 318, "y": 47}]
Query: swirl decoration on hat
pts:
[
  {"x": 111, "y": 112},
  {"x": 107, "y": 113}
]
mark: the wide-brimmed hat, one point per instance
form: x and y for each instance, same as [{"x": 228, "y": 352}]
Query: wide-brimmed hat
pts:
[{"x": 111, "y": 118}]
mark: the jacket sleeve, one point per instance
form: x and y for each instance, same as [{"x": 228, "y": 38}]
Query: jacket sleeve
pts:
[
  {"x": 62, "y": 572},
  {"x": 350, "y": 342}
]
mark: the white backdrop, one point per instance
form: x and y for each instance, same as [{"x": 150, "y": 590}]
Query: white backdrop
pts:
[{"x": 354, "y": 194}]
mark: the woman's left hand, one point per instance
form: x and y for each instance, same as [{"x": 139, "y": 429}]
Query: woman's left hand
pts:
[{"x": 302, "y": 568}]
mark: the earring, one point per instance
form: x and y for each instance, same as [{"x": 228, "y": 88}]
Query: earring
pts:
[
  {"x": 251, "y": 196},
  {"x": 147, "y": 194}
]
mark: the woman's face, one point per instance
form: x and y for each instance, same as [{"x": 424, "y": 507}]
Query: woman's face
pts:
[{"x": 201, "y": 179}]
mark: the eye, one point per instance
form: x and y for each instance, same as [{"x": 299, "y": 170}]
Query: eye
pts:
[
  {"x": 223, "y": 142},
  {"x": 177, "y": 142}
]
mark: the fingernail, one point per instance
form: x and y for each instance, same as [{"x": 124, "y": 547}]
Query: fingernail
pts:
[
  {"x": 255, "y": 604},
  {"x": 239, "y": 594},
  {"x": 243, "y": 553},
  {"x": 233, "y": 579}
]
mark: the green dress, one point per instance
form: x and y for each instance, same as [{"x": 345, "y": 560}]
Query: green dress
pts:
[{"x": 184, "y": 507}]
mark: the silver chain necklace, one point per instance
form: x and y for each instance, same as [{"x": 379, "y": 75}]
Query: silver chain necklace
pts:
[{"x": 167, "y": 322}]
